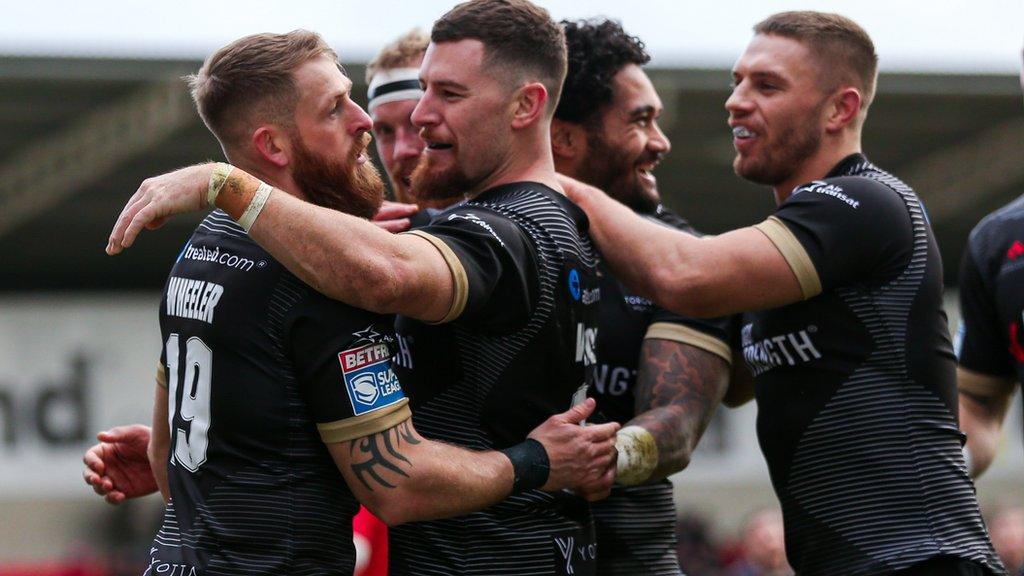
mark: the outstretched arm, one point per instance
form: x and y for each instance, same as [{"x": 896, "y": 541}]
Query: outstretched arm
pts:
[
  {"x": 678, "y": 388},
  {"x": 342, "y": 256},
  {"x": 710, "y": 276},
  {"x": 984, "y": 401},
  {"x": 402, "y": 477}
]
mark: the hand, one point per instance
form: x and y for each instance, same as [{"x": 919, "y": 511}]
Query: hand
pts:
[
  {"x": 577, "y": 191},
  {"x": 118, "y": 467},
  {"x": 600, "y": 488},
  {"x": 394, "y": 216},
  {"x": 157, "y": 199},
  {"x": 578, "y": 455}
]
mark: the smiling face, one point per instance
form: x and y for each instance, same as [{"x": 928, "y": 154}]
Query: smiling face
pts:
[
  {"x": 626, "y": 144},
  {"x": 329, "y": 141},
  {"x": 776, "y": 110},
  {"x": 464, "y": 118}
]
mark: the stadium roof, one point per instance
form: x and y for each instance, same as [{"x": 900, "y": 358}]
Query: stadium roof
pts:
[{"x": 77, "y": 136}]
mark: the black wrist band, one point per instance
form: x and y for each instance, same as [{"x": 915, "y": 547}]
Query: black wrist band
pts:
[{"x": 530, "y": 464}]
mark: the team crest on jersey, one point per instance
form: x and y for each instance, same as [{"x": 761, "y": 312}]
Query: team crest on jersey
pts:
[{"x": 369, "y": 380}]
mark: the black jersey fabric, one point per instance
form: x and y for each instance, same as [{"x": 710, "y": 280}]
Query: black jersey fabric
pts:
[
  {"x": 856, "y": 391},
  {"x": 990, "y": 340},
  {"x": 636, "y": 524},
  {"x": 516, "y": 347},
  {"x": 260, "y": 371}
]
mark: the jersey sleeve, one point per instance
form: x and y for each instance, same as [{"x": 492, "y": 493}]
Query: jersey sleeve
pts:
[
  {"x": 708, "y": 334},
  {"x": 981, "y": 343},
  {"x": 841, "y": 231},
  {"x": 494, "y": 267},
  {"x": 342, "y": 361}
]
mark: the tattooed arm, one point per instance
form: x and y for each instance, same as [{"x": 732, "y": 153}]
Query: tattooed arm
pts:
[
  {"x": 401, "y": 476},
  {"x": 678, "y": 388}
]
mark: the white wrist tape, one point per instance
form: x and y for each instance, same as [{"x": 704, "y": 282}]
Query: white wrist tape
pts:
[
  {"x": 638, "y": 455},
  {"x": 221, "y": 172},
  {"x": 252, "y": 211}
]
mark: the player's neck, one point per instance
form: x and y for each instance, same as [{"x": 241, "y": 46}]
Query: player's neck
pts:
[
  {"x": 280, "y": 179},
  {"x": 528, "y": 161},
  {"x": 817, "y": 166}
]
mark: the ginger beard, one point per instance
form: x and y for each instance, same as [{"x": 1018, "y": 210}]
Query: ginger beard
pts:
[
  {"x": 346, "y": 186},
  {"x": 429, "y": 182}
]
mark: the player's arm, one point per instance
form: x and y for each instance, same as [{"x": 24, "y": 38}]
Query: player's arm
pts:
[
  {"x": 342, "y": 256},
  {"x": 741, "y": 386},
  {"x": 160, "y": 442},
  {"x": 709, "y": 276},
  {"x": 678, "y": 387},
  {"x": 401, "y": 476},
  {"x": 984, "y": 401}
]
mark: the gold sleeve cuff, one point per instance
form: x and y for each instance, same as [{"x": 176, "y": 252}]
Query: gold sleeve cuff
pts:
[
  {"x": 366, "y": 424},
  {"x": 687, "y": 335},
  {"x": 460, "y": 281},
  {"x": 795, "y": 255},
  {"x": 984, "y": 385},
  {"x": 161, "y": 375}
]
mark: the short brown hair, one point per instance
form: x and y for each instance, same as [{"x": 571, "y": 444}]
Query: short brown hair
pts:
[
  {"x": 518, "y": 36},
  {"x": 845, "y": 52},
  {"x": 406, "y": 51},
  {"x": 250, "y": 81}
]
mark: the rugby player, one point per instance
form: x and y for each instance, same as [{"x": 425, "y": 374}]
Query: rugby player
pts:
[
  {"x": 660, "y": 373},
  {"x": 990, "y": 342},
  {"x": 494, "y": 332},
  {"x": 394, "y": 90},
  {"x": 259, "y": 372},
  {"x": 846, "y": 338}
]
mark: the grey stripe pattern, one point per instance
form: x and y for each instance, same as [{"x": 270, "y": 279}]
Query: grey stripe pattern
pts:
[
  {"x": 513, "y": 537},
  {"x": 911, "y": 487}
]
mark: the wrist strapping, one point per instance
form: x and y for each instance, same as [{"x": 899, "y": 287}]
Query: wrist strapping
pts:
[
  {"x": 221, "y": 172},
  {"x": 638, "y": 455},
  {"x": 529, "y": 463},
  {"x": 252, "y": 211}
]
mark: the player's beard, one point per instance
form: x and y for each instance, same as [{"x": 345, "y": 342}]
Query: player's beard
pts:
[
  {"x": 779, "y": 157},
  {"x": 346, "y": 185},
  {"x": 430, "y": 183},
  {"x": 614, "y": 170}
]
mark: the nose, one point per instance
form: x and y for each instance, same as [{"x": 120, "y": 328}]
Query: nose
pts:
[
  {"x": 423, "y": 114},
  {"x": 659, "y": 142},
  {"x": 408, "y": 144},
  {"x": 738, "y": 103},
  {"x": 361, "y": 121}
]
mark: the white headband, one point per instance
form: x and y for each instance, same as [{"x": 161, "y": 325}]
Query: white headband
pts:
[{"x": 393, "y": 85}]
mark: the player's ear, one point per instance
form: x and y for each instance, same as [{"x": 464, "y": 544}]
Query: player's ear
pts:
[
  {"x": 529, "y": 105},
  {"x": 272, "y": 145},
  {"x": 843, "y": 109},
  {"x": 567, "y": 139}
]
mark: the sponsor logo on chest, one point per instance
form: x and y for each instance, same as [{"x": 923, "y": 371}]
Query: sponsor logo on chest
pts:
[{"x": 788, "y": 349}]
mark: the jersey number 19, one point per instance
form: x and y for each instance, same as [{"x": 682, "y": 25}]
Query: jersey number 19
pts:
[{"x": 189, "y": 445}]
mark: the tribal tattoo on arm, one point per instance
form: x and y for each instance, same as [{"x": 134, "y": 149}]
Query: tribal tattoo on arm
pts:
[
  {"x": 677, "y": 390},
  {"x": 374, "y": 454}
]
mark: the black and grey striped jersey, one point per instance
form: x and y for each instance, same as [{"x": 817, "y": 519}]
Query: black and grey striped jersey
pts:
[
  {"x": 260, "y": 370},
  {"x": 636, "y": 524},
  {"x": 856, "y": 386},
  {"x": 516, "y": 347},
  {"x": 990, "y": 340}
]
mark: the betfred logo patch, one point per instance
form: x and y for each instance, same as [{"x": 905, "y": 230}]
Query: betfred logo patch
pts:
[{"x": 369, "y": 380}]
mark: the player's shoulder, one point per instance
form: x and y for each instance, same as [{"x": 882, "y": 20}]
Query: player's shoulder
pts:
[
  {"x": 667, "y": 217},
  {"x": 1001, "y": 225}
]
